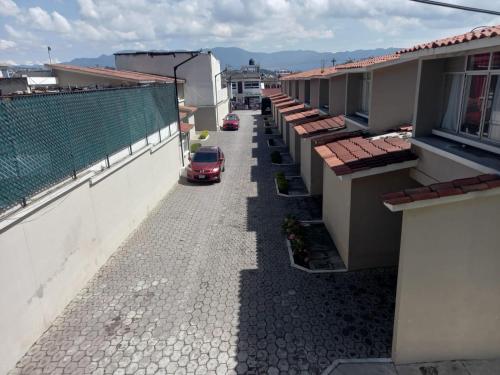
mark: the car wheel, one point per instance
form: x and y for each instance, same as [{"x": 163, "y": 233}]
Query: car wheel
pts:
[{"x": 219, "y": 179}]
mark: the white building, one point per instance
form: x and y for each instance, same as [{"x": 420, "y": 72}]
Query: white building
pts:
[
  {"x": 246, "y": 85},
  {"x": 202, "y": 88}
]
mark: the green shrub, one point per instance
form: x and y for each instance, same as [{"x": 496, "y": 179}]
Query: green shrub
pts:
[
  {"x": 271, "y": 142},
  {"x": 195, "y": 147},
  {"x": 268, "y": 131},
  {"x": 203, "y": 134},
  {"x": 276, "y": 157},
  {"x": 282, "y": 183}
]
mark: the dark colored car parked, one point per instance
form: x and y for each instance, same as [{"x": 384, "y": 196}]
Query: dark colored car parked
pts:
[{"x": 207, "y": 164}]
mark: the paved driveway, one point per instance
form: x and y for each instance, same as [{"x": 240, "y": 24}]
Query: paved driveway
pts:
[{"x": 204, "y": 285}]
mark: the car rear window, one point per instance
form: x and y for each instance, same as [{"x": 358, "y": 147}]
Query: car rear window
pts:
[{"x": 205, "y": 157}]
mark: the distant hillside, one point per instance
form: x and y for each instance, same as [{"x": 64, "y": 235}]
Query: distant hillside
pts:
[
  {"x": 292, "y": 60},
  {"x": 103, "y": 60}
]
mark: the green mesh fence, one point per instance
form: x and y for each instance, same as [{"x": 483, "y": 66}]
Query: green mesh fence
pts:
[{"x": 45, "y": 139}]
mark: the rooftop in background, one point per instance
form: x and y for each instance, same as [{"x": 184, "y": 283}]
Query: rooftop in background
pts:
[
  {"x": 270, "y": 92},
  {"x": 140, "y": 78},
  {"x": 358, "y": 154},
  {"x": 313, "y": 73},
  {"x": 482, "y": 33},
  {"x": 368, "y": 62}
]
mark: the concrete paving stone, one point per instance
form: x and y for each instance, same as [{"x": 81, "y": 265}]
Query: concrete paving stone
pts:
[
  {"x": 204, "y": 285},
  {"x": 485, "y": 367},
  {"x": 366, "y": 369}
]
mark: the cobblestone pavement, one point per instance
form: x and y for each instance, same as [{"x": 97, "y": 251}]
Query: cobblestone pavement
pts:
[{"x": 204, "y": 285}]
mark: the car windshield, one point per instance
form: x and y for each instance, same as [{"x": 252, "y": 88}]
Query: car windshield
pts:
[
  {"x": 205, "y": 157},
  {"x": 231, "y": 117}
]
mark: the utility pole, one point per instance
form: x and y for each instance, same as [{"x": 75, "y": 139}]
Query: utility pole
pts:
[{"x": 48, "y": 51}]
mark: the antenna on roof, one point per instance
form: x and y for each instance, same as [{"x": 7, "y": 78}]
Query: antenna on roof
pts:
[
  {"x": 455, "y": 6},
  {"x": 322, "y": 65},
  {"x": 333, "y": 61},
  {"x": 48, "y": 51}
]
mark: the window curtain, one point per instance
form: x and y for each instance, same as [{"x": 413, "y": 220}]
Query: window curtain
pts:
[
  {"x": 450, "y": 118},
  {"x": 494, "y": 126}
]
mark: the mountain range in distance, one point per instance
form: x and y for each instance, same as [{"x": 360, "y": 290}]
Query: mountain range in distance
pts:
[{"x": 294, "y": 60}]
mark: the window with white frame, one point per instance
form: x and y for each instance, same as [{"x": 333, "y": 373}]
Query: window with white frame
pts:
[
  {"x": 472, "y": 99},
  {"x": 252, "y": 85}
]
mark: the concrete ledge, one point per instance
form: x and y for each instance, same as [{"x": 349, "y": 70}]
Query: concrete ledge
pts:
[
  {"x": 292, "y": 262},
  {"x": 330, "y": 369}
]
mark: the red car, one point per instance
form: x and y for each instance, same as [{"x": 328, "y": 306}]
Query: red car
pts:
[
  {"x": 207, "y": 164},
  {"x": 231, "y": 121}
]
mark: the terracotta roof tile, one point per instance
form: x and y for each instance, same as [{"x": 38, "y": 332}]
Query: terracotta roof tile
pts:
[
  {"x": 444, "y": 189},
  {"x": 292, "y": 118},
  {"x": 125, "y": 75},
  {"x": 270, "y": 92},
  {"x": 186, "y": 110},
  {"x": 288, "y": 103},
  {"x": 355, "y": 153},
  {"x": 185, "y": 128},
  {"x": 313, "y": 73},
  {"x": 321, "y": 125},
  {"x": 291, "y": 109},
  {"x": 368, "y": 62},
  {"x": 276, "y": 99},
  {"x": 487, "y": 32}
]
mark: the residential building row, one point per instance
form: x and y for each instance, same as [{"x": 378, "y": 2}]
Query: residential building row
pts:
[{"x": 405, "y": 151}]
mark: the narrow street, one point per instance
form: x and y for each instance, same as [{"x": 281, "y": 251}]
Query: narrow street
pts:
[{"x": 204, "y": 285}]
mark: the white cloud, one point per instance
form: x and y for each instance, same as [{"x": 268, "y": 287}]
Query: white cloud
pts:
[
  {"x": 42, "y": 20},
  {"x": 8, "y": 62},
  {"x": 8, "y": 8},
  {"x": 6, "y": 44},
  {"x": 88, "y": 8}
]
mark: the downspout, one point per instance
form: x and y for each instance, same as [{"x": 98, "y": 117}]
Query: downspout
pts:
[
  {"x": 217, "y": 100},
  {"x": 193, "y": 55}
]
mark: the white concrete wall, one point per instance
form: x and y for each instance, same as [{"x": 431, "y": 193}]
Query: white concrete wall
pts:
[
  {"x": 305, "y": 161},
  {"x": 447, "y": 304},
  {"x": 199, "y": 73},
  {"x": 337, "y": 210},
  {"x": 48, "y": 257}
]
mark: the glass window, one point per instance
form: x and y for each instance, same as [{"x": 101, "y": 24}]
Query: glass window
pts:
[
  {"x": 492, "y": 113},
  {"x": 205, "y": 157},
  {"x": 480, "y": 61},
  {"x": 452, "y": 92},
  {"x": 473, "y": 103},
  {"x": 495, "y": 60}
]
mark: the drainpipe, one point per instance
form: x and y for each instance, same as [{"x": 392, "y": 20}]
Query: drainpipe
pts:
[
  {"x": 193, "y": 55},
  {"x": 217, "y": 100}
]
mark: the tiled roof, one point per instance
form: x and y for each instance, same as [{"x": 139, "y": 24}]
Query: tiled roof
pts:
[
  {"x": 302, "y": 115},
  {"x": 277, "y": 96},
  {"x": 287, "y": 103},
  {"x": 444, "y": 189},
  {"x": 125, "y": 75},
  {"x": 487, "y": 32},
  {"x": 357, "y": 153},
  {"x": 368, "y": 62},
  {"x": 185, "y": 128},
  {"x": 186, "y": 110},
  {"x": 319, "y": 126},
  {"x": 270, "y": 92},
  {"x": 292, "y": 109},
  {"x": 313, "y": 73},
  {"x": 282, "y": 100}
]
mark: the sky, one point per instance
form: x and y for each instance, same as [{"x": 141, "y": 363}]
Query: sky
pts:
[{"x": 89, "y": 28}]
